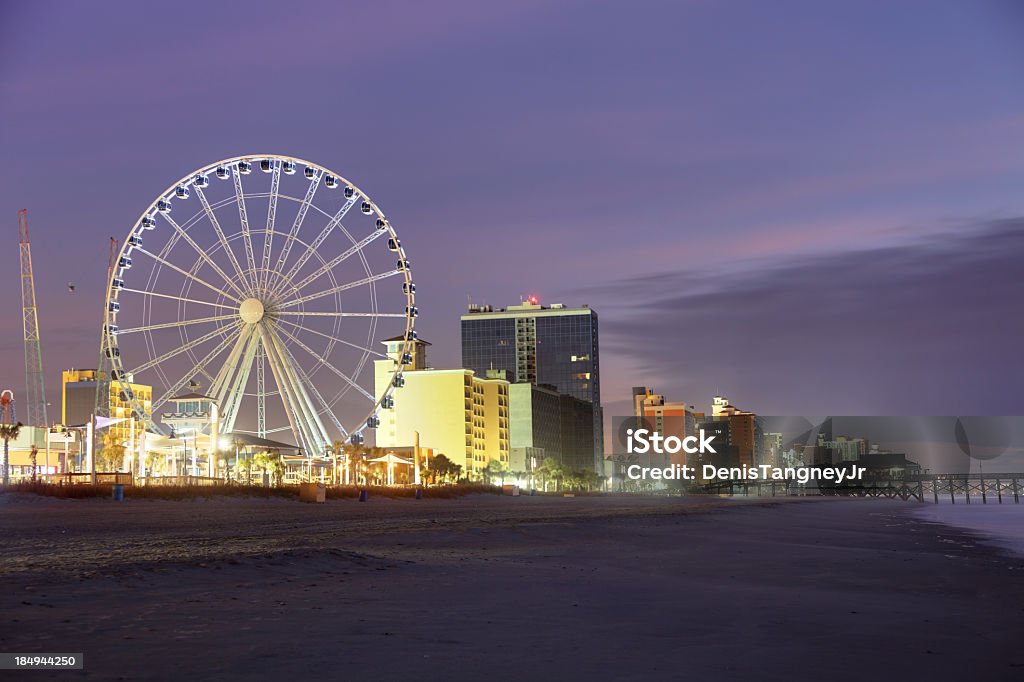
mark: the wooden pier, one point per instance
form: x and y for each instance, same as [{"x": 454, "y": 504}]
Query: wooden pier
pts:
[{"x": 928, "y": 488}]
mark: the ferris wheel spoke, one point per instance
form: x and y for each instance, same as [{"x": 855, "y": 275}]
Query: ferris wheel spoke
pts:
[
  {"x": 180, "y": 298},
  {"x": 174, "y": 267},
  {"x": 268, "y": 239},
  {"x": 198, "y": 341},
  {"x": 297, "y": 223},
  {"x": 334, "y": 338},
  {"x": 344, "y": 255},
  {"x": 202, "y": 253},
  {"x": 339, "y": 314},
  {"x": 243, "y": 218},
  {"x": 185, "y": 378},
  {"x": 341, "y": 287},
  {"x": 344, "y": 377},
  {"x": 168, "y": 325},
  {"x": 315, "y": 244},
  {"x": 221, "y": 237}
]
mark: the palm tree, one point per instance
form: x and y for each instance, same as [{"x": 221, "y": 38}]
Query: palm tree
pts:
[
  {"x": 8, "y": 432},
  {"x": 549, "y": 469},
  {"x": 112, "y": 453},
  {"x": 245, "y": 464},
  {"x": 34, "y": 458},
  {"x": 271, "y": 464},
  {"x": 495, "y": 470},
  {"x": 443, "y": 469},
  {"x": 338, "y": 448}
]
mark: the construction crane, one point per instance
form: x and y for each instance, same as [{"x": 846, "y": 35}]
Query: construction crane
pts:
[
  {"x": 106, "y": 343},
  {"x": 35, "y": 393}
]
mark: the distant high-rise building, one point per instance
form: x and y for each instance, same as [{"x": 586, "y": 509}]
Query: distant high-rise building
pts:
[
  {"x": 667, "y": 418},
  {"x": 535, "y": 419},
  {"x": 846, "y": 449},
  {"x": 538, "y": 344},
  {"x": 456, "y": 413},
  {"x": 744, "y": 432},
  {"x": 771, "y": 449}
]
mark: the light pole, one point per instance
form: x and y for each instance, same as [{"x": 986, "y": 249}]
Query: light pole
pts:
[{"x": 174, "y": 453}]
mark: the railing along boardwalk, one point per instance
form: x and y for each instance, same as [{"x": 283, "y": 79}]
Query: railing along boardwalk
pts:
[{"x": 932, "y": 488}]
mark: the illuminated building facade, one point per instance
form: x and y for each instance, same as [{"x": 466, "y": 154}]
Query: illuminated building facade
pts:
[
  {"x": 771, "y": 449},
  {"x": 667, "y": 418},
  {"x": 78, "y": 402},
  {"x": 553, "y": 424},
  {"x": 456, "y": 412},
  {"x": 741, "y": 430},
  {"x": 536, "y": 344}
]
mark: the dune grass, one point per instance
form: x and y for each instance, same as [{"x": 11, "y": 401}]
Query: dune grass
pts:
[{"x": 189, "y": 492}]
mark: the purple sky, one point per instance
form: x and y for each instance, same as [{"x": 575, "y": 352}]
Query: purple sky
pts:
[{"x": 808, "y": 206}]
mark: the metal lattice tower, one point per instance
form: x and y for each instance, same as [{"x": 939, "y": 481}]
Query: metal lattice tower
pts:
[
  {"x": 35, "y": 412},
  {"x": 107, "y": 346}
]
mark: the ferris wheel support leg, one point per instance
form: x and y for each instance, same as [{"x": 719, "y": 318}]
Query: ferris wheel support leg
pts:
[
  {"x": 236, "y": 390},
  {"x": 285, "y": 385},
  {"x": 228, "y": 368},
  {"x": 307, "y": 383},
  {"x": 306, "y": 414},
  {"x": 180, "y": 383},
  {"x": 319, "y": 438},
  {"x": 261, "y": 391},
  {"x": 231, "y": 380}
]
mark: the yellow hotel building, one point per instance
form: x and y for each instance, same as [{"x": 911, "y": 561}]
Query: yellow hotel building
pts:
[
  {"x": 457, "y": 414},
  {"x": 78, "y": 399}
]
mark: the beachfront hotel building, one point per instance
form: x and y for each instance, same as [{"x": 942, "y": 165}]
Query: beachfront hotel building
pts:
[
  {"x": 78, "y": 403},
  {"x": 739, "y": 429},
  {"x": 668, "y": 418},
  {"x": 536, "y": 344},
  {"x": 548, "y": 424},
  {"x": 456, "y": 412}
]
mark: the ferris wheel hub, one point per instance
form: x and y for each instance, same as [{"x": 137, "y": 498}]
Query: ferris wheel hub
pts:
[{"x": 251, "y": 310}]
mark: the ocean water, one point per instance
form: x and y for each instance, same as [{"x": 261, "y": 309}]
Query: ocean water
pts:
[{"x": 1000, "y": 524}]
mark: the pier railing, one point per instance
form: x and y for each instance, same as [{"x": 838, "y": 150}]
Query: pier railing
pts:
[{"x": 930, "y": 488}]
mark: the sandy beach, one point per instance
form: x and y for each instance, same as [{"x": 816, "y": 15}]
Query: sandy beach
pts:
[{"x": 506, "y": 588}]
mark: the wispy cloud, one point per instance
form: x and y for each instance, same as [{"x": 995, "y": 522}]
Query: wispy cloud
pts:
[{"x": 932, "y": 327}]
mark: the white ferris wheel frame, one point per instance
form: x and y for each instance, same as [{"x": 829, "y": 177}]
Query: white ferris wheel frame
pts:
[{"x": 256, "y": 339}]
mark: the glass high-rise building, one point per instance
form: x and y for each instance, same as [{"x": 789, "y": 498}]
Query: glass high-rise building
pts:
[{"x": 553, "y": 345}]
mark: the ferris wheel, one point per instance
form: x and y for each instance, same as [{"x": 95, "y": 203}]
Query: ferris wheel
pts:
[{"x": 268, "y": 284}]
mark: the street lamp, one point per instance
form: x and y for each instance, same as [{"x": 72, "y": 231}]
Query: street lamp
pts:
[
  {"x": 184, "y": 451},
  {"x": 173, "y": 435}
]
